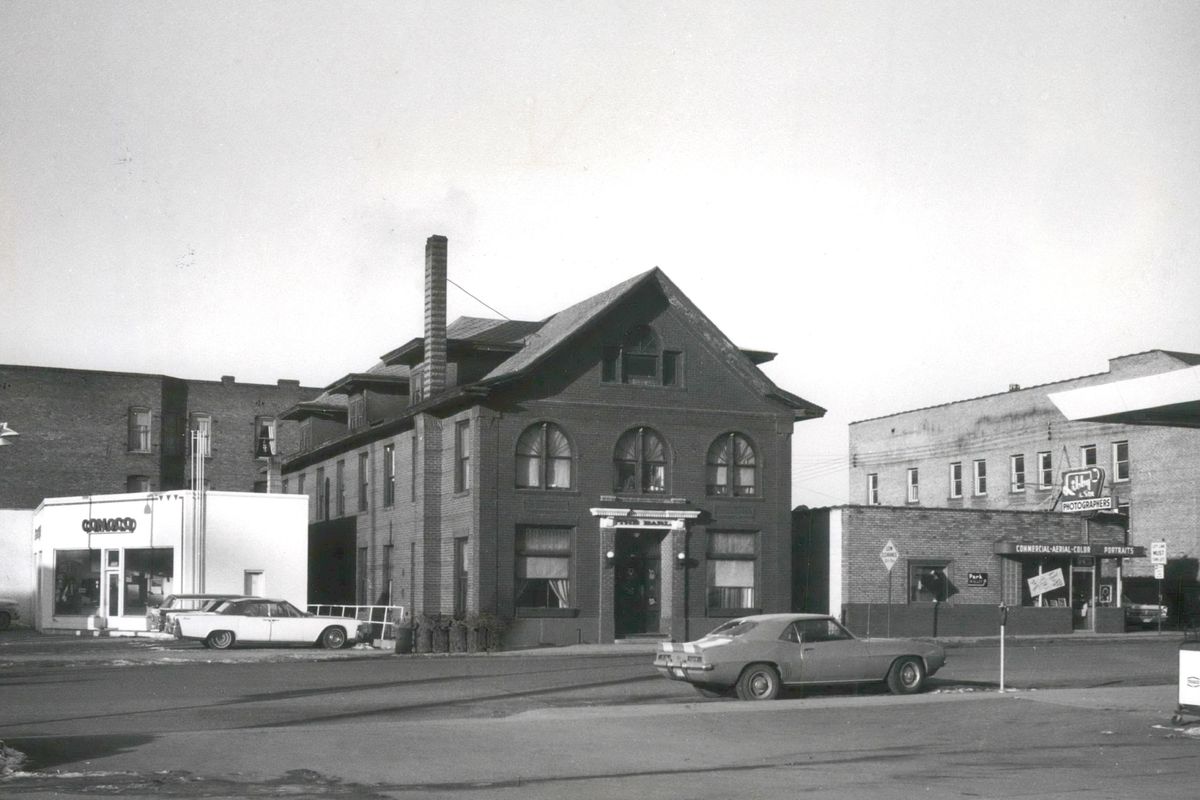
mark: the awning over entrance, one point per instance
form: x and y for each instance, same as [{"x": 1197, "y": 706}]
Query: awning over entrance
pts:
[
  {"x": 1168, "y": 398},
  {"x": 1006, "y": 548}
]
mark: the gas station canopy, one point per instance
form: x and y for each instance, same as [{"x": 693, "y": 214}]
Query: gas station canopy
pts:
[{"x": 1168, "y": 398}]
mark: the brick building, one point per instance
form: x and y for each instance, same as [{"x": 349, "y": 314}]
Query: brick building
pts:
[
  {"x": 1008, "y": 451},
  {"x": 618, "y": 468},
  {"x": 87, "y": 432}
]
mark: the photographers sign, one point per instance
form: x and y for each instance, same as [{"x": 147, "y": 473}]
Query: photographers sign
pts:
[{"x": 1081, "y": 490}]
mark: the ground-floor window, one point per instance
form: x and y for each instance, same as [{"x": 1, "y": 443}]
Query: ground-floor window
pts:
[
  {"x": 543, "y": 567},
  {"x": 149, "y": 576},
  {"x": 1034, "y": 567},
  {"x": 928, "y": 582},
  {"x": 731, "y": 561},
  {"x": 77, "y": 582}
]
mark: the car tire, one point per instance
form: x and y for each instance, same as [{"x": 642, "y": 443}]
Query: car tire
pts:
[
  {"x": 907, "y": 676},
  {"x": 333, "y": 638},
  {"x": 758, "y": 682},
  {"x": 5, "y": 620},
  {"x": 220, "y": 640}
]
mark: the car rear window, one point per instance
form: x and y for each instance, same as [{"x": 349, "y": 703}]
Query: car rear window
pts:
[{"x": 735, "y": 627}]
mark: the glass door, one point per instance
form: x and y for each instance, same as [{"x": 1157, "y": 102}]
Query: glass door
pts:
[{"x": 112, "y": 601}]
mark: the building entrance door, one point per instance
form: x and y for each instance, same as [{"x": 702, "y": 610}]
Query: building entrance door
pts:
[
  {"x": 1083, "y": 599},
  {"x": 638, "y": 579},
  {"x": 112, "y": 600}
]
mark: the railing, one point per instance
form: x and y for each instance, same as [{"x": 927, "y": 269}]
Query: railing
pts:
[{"x": 383, "y": 619}]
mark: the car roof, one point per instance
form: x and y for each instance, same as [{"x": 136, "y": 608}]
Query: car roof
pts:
[{"x": 201, "y": 596}]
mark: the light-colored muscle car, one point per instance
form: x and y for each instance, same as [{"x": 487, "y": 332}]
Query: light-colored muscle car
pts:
[
  {"x": 756, "y": 656},
  {"x": 265, "y": 621}
]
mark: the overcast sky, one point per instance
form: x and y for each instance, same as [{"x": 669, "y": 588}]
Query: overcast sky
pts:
[{"x": 910, "y": 202}]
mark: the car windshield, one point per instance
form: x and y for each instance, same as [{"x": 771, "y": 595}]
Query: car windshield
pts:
[{"x": 735, "y": 627}]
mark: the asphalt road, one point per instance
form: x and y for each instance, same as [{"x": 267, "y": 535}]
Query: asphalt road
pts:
[{"x": 158, "y": 720}]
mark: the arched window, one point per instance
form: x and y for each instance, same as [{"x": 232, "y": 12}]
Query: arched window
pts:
[
  {"x": 543, "y": 458},
  {"x": 732, "y": 467},
  {"x": 641, "y": 462}
]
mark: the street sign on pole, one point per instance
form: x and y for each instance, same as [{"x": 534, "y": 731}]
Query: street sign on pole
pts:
[
  {"x": 1160, "y": 571},
  {"x": 1158, "y": 552},
  {"x": 889, "y": 554}
]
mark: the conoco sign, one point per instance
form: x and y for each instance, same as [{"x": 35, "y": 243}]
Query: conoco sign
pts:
[
  {"x": 109, "y": 525},
  {"x": 1082, "y": 484}
]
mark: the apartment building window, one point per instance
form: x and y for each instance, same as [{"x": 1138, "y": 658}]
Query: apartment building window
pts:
[
  {"x": 1016, "y": 473},
  {"x": 543, "y": 567},
  {"x": 265, "y": 445},
  {"x": 543, "y": 458},
  {"x": 200, "y": 428},
  {"x": 980, "y": 477},
  {"x": 1087, "y": 455},
  {"x": 389, "y": 474},
  {"x": 640, "y": 462},
  {"x": 364, "y": 486},
  {"x": 914, "y": 485},
  {"x": 137, "y": 483},
  {"x": 956, "y": 479},
  {"x": 1120, "y": 460},
  {"x": 412, "y": 467},
  {"x": 341, "y": 488},
  {"x": 462, "y": 456},
  {"x": 356, "y": 412},
  {"x": 285, "y": 485},
  {"x": 139, "y": 430},
  {"x": 1045, "y": 471},
  {"x": 872, "y": 489},
  {"x": 731, "y": 565},
  {"x": 300, "y": 483},
  {"x": 305, "y": 435},
  {"x": 732, "y": 466},
  {"x": 322, "y": 494}
]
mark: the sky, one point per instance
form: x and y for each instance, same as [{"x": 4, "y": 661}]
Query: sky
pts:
[{"x": 909, "y": 202}]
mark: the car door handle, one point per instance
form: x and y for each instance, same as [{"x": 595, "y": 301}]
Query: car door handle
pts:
[{"x": 807, "y": 649}]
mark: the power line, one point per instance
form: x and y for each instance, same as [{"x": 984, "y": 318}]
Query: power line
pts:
[{"x": 477, "y": 300}]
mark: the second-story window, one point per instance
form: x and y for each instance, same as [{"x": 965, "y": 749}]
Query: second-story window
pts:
[
  {"x": 389, "y": 474},
  {"x": 873, "y": 489},
  {"x": 341, "y": 489},
  {"x": 1016, "y": 473},
  {"x": 543, "y": 458},
  {"x": 462, "y": 456},
  {"x": 1120, "y": 457},
  {"x": 1045, "y": 470},
  {"x": 641, "y": 462},
  {"x": 1087, "y": 455},
  {"x": 956, "y": 479},
  {"x": 265, "y": 445},
  {"x": 914, "y": 485},
  {"x": 980, "y": 477},
  {"x": 732, "y": 466},
  {"x": 364, "y": 486},
  {"x": 139, "y": 430},
  {"x": 305, "y": 434},
  {"x": 322, "y": 494},
  {"x": 200, "y": 430}
]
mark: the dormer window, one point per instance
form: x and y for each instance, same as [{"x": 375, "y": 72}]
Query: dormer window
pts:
[
  {"x": 640, "y": 359},
  {"x": 357, "y": 411}
]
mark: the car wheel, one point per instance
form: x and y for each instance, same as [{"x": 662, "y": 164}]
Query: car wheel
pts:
[
  {"x": 758, "y": 682},
  {"x": 219, "y": 640},
  {"x": 906, "y": 676},
  {"x": 333, "y": 638},
  {"x": 5, "y": 620}
]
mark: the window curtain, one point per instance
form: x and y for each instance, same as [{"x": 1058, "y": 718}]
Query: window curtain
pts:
[{"x": 558, "y": 451}]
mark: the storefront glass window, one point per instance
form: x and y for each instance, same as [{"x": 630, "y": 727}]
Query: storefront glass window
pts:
[
  {"x": 927, "y": 583},
  {"x": 77, "y": 582},
  {"x": 149, "y": 576}
]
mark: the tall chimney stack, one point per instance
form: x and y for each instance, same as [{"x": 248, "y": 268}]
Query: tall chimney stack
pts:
[{"x": 435, "y": 315}]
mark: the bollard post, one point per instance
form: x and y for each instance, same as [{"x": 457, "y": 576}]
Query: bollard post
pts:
[{"x": 1003, "y": 623}]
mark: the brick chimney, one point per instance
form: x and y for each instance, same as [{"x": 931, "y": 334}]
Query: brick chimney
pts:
[{"x": 435, "y": 315}]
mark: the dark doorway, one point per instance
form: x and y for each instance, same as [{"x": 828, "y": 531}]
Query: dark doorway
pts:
[
  {"x": 331, "y": 562},
  {"x": 638, "y": 565}
]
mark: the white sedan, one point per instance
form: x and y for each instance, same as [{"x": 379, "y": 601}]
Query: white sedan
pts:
[{"x": 264, "y": 621}]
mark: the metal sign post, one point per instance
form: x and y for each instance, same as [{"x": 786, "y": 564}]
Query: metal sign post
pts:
[
  {"x": 1003, "y": 623},
  {"x": 1158, "y": 557},
  {"x": 889, "y": 555}
]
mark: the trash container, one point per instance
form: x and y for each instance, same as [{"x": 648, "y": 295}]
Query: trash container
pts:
[
  {"x": 1189, "y": 680},
  {"x": 404, "y": 638}
]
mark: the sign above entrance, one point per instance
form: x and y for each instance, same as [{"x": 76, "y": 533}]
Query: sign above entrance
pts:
[
  {"x": 1081, "y": 484},
  {"x": 1046, "y": 582},
  {"x": 620, "y": 522},
  {"x": 1088, "y": 504},
  {"x": 889, "y": 554},
  {"x": 1096, "y": 550}
]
